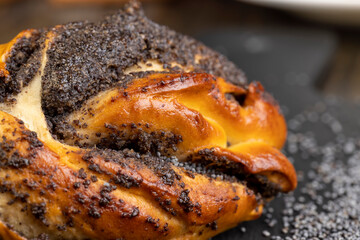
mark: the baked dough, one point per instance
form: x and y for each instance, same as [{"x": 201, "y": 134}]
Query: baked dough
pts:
[{"x": 124, "y": 129}]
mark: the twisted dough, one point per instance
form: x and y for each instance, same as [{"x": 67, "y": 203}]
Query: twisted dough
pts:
[{"x": 172, "y": 154}]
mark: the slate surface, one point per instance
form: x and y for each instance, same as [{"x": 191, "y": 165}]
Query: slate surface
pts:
[{"x": 290, "y": 64}]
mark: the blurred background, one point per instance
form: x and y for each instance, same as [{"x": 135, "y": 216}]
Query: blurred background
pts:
[{"x": 331, "y": 27}]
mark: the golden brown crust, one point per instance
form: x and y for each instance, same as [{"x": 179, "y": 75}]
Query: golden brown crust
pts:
[
  {"x": 188, "y": 100},
  {"x": 193, "y": 106},
  {"x": 222, "y": 204},
  {"x": 54, "y": 170}
]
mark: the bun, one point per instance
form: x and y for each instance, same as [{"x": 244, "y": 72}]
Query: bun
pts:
[{"x": 124, "y": 129}]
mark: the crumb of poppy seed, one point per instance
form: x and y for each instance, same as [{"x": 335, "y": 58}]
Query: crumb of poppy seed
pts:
[
  {"x": 184, "y": 201},
  {"x": 82, "y": 174},
  {"x": 94, "y": 212},
  {"x": 157, "y": 225},
  {"x": 125, "y": 180},
  {"x": 95, "y": 168},
  {"x": 198, "y": 209},
  {"x": 51, "y": 186},
  {"x": 80, "y": 197},
  {"x": 61, "y": 227},
  {"x": 236, "y": 198},
  {"x": 93, "y": 178},
  {"x": 32, "y": 139},
  {"x": 42, "y": 236},
  {"x": 70, "y": 222},
  {"x": 212, "y": 225},
  {"x": 38, "y": 210},
  {"x": 135, "y": 212},
  {"x": 150, "y": 220},
  {"x": 77, "y": 185},
  {"x": 166, "y": 227},
  {"x": 14, "y": 159},
  {"x": 86, "y": 183},
  {"x": 105, "y": 200}
]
